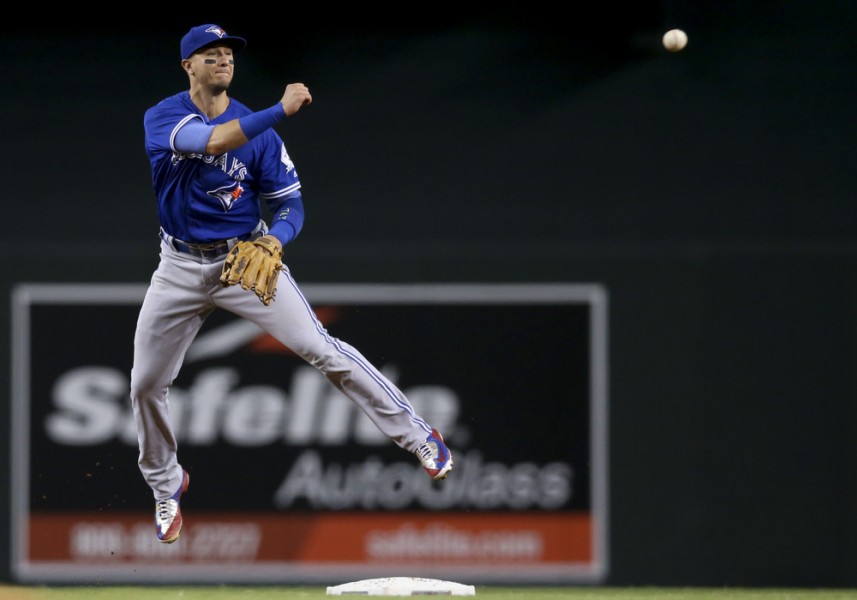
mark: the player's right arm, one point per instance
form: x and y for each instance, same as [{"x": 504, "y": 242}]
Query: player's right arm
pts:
[
  {"x": 295, "y": 96},
  {"x": 214, "y": 140}
]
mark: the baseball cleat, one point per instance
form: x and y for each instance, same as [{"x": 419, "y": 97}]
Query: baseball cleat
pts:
[
  {"x": 435, "y": 456},
  {"x": 168, "y": 514}
]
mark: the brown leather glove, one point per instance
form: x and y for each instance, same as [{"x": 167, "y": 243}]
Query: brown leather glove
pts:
[{"x": 256, "y": 266}]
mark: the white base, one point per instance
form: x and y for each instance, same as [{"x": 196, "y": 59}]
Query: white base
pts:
[{"x": 402, "y": 586}]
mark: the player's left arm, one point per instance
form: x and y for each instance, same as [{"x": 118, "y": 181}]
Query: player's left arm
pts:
[
  {"x": 287, "y": 218},
  {"x": 280, "y": 189}
]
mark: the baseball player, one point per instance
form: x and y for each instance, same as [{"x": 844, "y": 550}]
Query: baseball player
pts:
[{"x": 213, "y": 162}]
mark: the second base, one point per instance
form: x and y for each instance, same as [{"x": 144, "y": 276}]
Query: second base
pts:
[{"x": 402, "y": 586}]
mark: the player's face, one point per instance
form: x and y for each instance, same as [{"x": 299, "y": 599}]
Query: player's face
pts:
[{"x": 214, "y": 67}]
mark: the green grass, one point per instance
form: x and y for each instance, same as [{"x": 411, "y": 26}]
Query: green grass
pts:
[{"x": 487, "y": 592}]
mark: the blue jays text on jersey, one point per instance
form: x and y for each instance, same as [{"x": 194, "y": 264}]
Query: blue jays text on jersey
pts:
[{"x": 204, "y": 198}]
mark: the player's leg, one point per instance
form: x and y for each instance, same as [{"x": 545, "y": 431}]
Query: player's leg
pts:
[
  {"x": 292, "y": 321},
  {"x": 169, "y": 319}
]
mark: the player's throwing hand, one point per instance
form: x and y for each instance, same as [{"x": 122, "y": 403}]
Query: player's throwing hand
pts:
[{"x": 295, "y": 96}]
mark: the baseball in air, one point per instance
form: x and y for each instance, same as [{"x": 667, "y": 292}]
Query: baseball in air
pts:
[{"x": 674, "y": 40}]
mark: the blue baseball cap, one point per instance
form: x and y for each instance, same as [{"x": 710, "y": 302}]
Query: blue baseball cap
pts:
[{"x": 206, "y": 35}]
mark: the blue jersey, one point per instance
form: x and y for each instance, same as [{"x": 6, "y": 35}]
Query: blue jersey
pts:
[{"x": 207, "y": 198}]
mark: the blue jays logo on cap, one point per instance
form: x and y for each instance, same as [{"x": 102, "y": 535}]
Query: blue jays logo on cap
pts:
[{"x": 204, "y": 35}]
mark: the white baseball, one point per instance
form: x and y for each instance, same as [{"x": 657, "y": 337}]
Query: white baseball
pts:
[{"x": 674, "y": 40}]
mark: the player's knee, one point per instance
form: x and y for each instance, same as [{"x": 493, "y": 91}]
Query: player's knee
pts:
[
  {"x": 328, "y": 364},
  {"x": 146, "y": 387}
]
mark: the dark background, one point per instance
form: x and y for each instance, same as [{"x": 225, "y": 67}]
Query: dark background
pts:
[{"x": 710, "y": 191}]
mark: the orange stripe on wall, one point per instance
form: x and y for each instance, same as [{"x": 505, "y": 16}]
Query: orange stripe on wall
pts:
[{"x": 402, "y": 538}]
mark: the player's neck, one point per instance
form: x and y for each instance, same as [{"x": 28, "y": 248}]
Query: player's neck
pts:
[{"x": 211, "y": 104}]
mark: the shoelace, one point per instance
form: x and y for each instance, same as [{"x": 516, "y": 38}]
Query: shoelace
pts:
[
  {"x": 427, "y": 455},
  {"x": 166, "y": 510}
]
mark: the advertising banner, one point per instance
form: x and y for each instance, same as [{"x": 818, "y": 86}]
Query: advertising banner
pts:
[{"x": 290, "y": 482}]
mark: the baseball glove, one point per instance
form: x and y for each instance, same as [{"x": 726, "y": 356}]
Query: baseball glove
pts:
[{"x": 256, "y": 266}]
